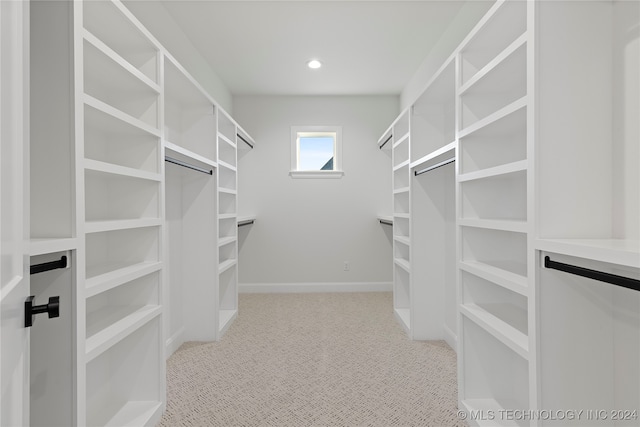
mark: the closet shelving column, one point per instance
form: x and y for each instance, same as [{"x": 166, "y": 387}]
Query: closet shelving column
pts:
[
  {"x": 402, "y": 295},
  {"x": 385, "y": 143},
  {"x": 190, "y": 209},
  {"x": 496, "y": 323},
  {"x": 227, "y": 303},
  {"x": 119, "y": 170},
  {"x": 587, "y": 151},
  {"x": 433, "y": 255}
]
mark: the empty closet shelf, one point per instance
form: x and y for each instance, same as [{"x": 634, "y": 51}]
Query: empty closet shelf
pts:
[
  {"x": 108, "y": 168},
  {"x": 122, "y": 116},
  {"x": 108, "y": 326},
  {"x": 518, "y": 166},
  {"x": 404, "y": 316},
  {"x": 442, "y": 153},
  {"x": 225, "y": 265},
  {"x": 107, "y": 277},
  {"x": 185, "y": 155},
  {"x": 493, "y": 406},
  {"x": 613, "y": 251},
  {"x": 495, "y": 224},
  {"x": 226, "y": 317},
  {"x": 507, "y": 333},
  {"x": 506, "y": 279},
  {"x": 226, "y": 240},
  {"x": 49, "y": 246}
]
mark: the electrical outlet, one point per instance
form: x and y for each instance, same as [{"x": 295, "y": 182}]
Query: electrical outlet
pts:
[{"x": 346, "y": 266}]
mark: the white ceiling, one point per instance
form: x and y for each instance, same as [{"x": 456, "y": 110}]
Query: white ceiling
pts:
[{"x": 261, "y": 47}]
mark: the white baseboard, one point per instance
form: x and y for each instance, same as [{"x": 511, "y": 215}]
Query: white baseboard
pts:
[
  {"x": 275, "y": 288},
  {"x": 174, "y": 342}
]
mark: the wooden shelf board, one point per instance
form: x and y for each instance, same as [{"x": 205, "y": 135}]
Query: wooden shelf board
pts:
[
  {"x": 404, "y": 264},
  {"x": 447, "y": 151},
  {"x": 501, "y": 330},
  {"x": 124, "y": 224},
  {"x": 109, "y": 168},
  {"x": 225, "y": 265},
  {"x": 48, "y": 246},
  {"x": 106, "y": 50},
  {"x": 515, "y": 226},
  {"x": 116, "y": 275},
  {"x": 494, "y": 117},
  {"x": 124, "y": 117},
  {"x": 108, "y": 326},
  {"x": 495, "y": 171},
  {"x": 507, "y": 280},
  {"x": 181, "y": 153}
]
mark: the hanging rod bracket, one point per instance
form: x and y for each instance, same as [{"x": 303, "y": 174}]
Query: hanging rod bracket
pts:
[{"x": 52, "y": 309}]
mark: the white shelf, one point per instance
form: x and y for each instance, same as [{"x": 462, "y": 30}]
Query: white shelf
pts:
[
  {"x": 495, "y": 224},
  {"x": 401, "y": 215},
  {"x": 614, "y": 251},
  {"x": 108, "y": 326},
  {"x": 402, "y": 139},
  {"x": 114, "y": 112},
  {"x": 504, "y": 332},
  {"x": 495, "y": 171},
  {"x": 227, "y": 165},
  {"x": 226, "y": 318},
  {"x": 404, "y": 240},
  {"x": 125, "y": 224},
  {"x": 401, "y": 190},
  {"x": 385, "y": 218},
  {"x": 491, "y": 118},
  {"x": 49, "y": 246},
  {"x": 114, "y": 276},
  {"x": 227, "y": 140},
  {"x": 182, "y": 153},
  {"x": 224, "y": 266},
  {"x": 245, "y": 218},
  {"x": 227, "y": 191},
  {"x": 131, "y": 414},
  {"x": 404, "y": 316},
  {"x": 520, "y": 41},
  {"x": 401, "y": 165},
  {"x": 98, "y": 166},
  {"x": 227, "y": 216},
  {"x": 226, "y": 240},
  {"x": 404, "y": 264},
  {"x": 106, "y": 50},
  {"x": 446, "y": 151},
  {"x": 513, "y": 282}
]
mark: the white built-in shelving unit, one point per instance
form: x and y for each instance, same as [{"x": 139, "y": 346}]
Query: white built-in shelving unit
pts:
[
  {"x": 142, "y": 235},
  {"x": 535, "y": 108}
]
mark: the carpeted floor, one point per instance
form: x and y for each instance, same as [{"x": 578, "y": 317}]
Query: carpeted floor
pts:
[{"x": 313, "y": 360}]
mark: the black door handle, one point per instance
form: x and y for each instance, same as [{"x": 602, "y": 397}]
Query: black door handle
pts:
[{"x": 30, "y": 310}]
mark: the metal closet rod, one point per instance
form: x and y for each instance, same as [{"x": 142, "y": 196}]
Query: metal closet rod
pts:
[
  {"x": 625, "y": 282},
  {"x": 48, "y": 266},
  {"x": 385, "y": 222},
  {"x": 436, "y": 166},
  {"x": 244, "y": 140},
  {"x": 247, "y": 222},
  {"x": 385, "y": 141},
  {"x": 187, "y": 165}
]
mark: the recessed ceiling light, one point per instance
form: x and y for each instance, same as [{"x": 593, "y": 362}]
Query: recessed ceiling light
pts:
[{"x": 314, "y": 63}]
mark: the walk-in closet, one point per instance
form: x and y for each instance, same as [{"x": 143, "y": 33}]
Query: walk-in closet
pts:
[{"x": 416, "y": 213}]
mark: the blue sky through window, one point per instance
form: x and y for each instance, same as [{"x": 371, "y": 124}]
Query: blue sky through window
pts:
[{"x": 314, "y": 152}]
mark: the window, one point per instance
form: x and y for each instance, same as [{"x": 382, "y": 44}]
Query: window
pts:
[{"x": 316, "y": 152}]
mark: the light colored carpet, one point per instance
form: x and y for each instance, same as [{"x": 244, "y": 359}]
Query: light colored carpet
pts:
[{"x": 336, "y": 359}]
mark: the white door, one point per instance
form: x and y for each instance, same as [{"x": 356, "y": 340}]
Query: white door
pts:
[{"x": 14, "y": 276}]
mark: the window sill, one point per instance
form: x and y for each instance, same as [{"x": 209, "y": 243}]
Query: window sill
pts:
[{"x": 316, "y": 174}]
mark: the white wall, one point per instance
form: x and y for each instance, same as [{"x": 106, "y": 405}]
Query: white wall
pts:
[
  {"x": 307, "y": 228},
  {"x": 163, "y": 27},
  {"x": 462, "y": 24},
  {"x": 626, "y": 127}
]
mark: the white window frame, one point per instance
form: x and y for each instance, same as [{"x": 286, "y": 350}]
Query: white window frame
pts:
[{"x": 337, "y": 171}]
